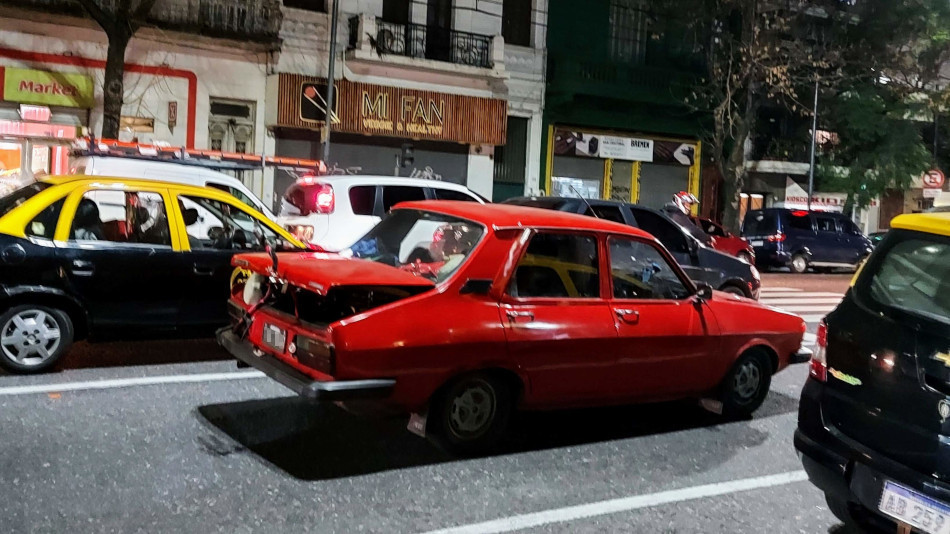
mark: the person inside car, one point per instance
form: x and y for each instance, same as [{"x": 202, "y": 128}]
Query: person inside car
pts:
[
  {"x": 87, "y": 226},
  {"x": 679, "y": 209}
]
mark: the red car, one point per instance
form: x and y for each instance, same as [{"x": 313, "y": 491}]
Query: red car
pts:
[
  {"x": 523, "y": 309},
  {"x": 725, "y": 241}
]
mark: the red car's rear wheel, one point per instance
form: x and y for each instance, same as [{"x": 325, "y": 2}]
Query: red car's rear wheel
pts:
[{"x": 470, "y": 415}]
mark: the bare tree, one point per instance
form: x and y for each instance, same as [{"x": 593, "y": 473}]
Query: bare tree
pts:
[{"x": 120, "y": 20}]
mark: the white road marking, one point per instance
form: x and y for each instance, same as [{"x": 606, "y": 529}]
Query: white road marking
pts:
[
  {"x": 815, "y": 295},
  {"x": 623, "y": 504},
  {"x": 128, "y": 382},
  {"x": 813, "y": 318},
  {"x": 814, "y": 300},
  {"x": 809, "y": 338},
  {"x": 808, "y": 309},
  {"x": 778, "y": 289}
]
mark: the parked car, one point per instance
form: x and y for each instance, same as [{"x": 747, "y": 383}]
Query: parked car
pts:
[
  {"x": 102, "y": 258},
  {"x": 874, "y": 418},
  {"x": 168, "y": 172},
  {"x": 332, "y": 212},
  {"x": 800, "y": 239},
  {"x": 701, "y": 263},
  {"x": 526, "y": 309},
  {"x": 725, "y": 241}
]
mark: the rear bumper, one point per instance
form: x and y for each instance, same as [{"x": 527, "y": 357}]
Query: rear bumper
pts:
[
  {"x": 846, "y": 470},
  {"x": 803, "y": 355},
  {"x": 299, "y": 383}
]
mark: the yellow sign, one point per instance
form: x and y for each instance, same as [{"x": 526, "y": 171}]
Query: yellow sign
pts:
[{"x": 48, "y": 88}]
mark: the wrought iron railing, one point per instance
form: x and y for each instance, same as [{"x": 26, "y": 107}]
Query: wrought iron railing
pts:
[
  {"x": 420, "y": 41},
  {"x": 257, "y": 20}
]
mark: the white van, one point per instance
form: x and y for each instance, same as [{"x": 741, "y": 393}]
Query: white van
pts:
[{"x": 170, "y": 172}]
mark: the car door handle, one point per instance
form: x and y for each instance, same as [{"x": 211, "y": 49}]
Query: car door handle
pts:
[
  {"x": 520, "y": 317},
  {"x": 628, "y": 316},
  {"x": 82, "y": 268},
  {"x": 201, "y": 270}
]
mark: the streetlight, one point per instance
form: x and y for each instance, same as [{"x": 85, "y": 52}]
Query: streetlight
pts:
[{"x": 335, "y": 12}]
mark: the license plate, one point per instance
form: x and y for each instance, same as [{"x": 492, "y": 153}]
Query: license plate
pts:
[
  {"x": 274, "y": 337},
  {"x": 918, "y": 511},
  {"x": 757, "y": 243}
]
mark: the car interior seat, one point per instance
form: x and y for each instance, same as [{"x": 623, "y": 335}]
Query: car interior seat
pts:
[{"x": 86, "y": 223}]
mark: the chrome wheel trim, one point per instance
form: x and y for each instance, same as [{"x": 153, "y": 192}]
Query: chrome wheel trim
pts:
[
  {"x": 747, "y": 381},
  {"x": 30, "y": 338},
  {"x": 472, "y": 410},
  {"x": 799, "y": 264}
]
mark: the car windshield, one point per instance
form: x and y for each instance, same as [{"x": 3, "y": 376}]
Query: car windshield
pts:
[
  {"x": 424, "y": 243},
  {"x": 14, "y": 199},
  {"x": 914, "y": 277}
]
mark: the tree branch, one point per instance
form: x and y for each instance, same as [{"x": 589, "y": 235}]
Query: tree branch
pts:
[
  {"x": 140, "y": 15},
  {"x": 102, "y": 18}
]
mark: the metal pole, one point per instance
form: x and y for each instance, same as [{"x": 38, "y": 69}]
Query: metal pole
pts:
[
  {"x": 333, "y": 19},
  {"x": 936, "y": 134},
  {"x": 814, "y": 134}
]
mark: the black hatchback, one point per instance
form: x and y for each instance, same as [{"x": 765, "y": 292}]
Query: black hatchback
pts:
[
  {"x": 874, "y": 417},
  {"x": 702, "y": 264}
]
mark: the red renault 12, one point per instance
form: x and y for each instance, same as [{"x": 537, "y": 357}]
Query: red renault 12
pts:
[{"x": 510, "y": 308}]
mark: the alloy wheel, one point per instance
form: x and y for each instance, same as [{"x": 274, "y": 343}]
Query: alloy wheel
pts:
[
  {"x": 472, "y": 410},
  {"x": 799, "y": 264},
  {"x": 748, "y": 378},
  {"x": 30, "y": 338}
]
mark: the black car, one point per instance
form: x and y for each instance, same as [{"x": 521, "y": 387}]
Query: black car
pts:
[
  {"x": 701, "y": 263},
  {"x": 874, "y": 417},
  {"x": 800, "y": 239}
]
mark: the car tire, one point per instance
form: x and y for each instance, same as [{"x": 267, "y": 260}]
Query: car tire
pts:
[
  {"x": 33, "y": 338},
  {"x": 470, "y": 415},
  {"x": 746, "y": 385},
  {"x": 799, "y": 264},
  {"x": 745, "y": 256},
  {"x": 733, "y": 290}
]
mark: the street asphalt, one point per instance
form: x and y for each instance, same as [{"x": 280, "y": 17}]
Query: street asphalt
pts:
[{"x": 236, "y": 452}]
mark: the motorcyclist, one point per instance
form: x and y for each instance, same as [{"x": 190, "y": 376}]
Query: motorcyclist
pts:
[{"x": 679, "y": 209}]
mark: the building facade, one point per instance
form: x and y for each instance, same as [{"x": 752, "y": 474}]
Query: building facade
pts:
[
  {"x": 616, "y": 125},
  {"x": 195, "y": 76},
  {"x": 458, "y": 85}
]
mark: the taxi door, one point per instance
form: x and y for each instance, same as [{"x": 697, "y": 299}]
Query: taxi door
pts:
[{"x": 120, "y": 256}]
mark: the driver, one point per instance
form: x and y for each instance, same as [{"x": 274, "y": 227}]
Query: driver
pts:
[{"x": 458, "y": 241}]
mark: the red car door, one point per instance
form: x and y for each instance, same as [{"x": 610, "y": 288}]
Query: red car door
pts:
[
  {"x": 667, "y": 338},
  {"x": 558, "y": 326}
]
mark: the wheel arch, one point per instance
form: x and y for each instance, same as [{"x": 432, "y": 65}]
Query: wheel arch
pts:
[
  {"x": 737, "y": 283},
  {"x": 512, "y": 377},
  {"x": 53, "y": 298},
  {"x": 763, "y": 347}
]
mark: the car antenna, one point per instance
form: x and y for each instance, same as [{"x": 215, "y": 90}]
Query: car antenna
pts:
[{"x": 591, "y": 208}]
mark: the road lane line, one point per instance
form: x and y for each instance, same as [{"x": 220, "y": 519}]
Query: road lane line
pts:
[
  {"x": 806, "y": 309},
  {"x": 128, "y": 382},
  {"x": 623, "y": 504},
  {"x": 774, "y": 289},
  {"x": 813, "y": 300},
  {"x": 810, "y": 294},
  {"x": 812, "y": 318}
]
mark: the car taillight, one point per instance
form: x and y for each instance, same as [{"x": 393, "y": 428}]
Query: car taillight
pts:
[
  {"x": 314, "y": 354},
  {"x": 777, "y": 238},
  {"x": 819, "y": 363},
  {"x": 323, "y": 198}
]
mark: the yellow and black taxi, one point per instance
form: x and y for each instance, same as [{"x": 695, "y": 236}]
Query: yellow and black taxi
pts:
[
  {"x": 874, "y": 418},
  {"x": 113, "y": 258}
]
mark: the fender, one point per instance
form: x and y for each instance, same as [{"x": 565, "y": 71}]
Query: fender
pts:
[
  {"x": 803, "y": 250},
  {"x": 757, "y": 342},
  {"x": 38, "y": 292}
]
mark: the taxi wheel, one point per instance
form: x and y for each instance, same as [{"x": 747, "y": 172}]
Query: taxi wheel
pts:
[
  {"x": 746, "y": 385},
  {"x": 799, "y": 264},
  {"x": 33, "y": 338},
  {"x": 471, "y": 414}
]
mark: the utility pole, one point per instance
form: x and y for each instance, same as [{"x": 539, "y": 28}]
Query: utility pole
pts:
[
  {"x": 335, "y": 12},
  {"x": 814, "y": 134}
]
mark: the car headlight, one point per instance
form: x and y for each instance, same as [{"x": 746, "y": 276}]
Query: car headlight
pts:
[{"x": 254, "y": 289}]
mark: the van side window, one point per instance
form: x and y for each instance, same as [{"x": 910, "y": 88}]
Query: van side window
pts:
[
  {"x": 449, "y": 194},
  {"x": 825, "y": 223},
  {"x": 800, "y": 221}
]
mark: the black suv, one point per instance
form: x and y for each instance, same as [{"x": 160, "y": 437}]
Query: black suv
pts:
[
  {"x": 702, "y": 264},
  {"x": 800, "y": 239},
  {"x": 874, "y": 417}
]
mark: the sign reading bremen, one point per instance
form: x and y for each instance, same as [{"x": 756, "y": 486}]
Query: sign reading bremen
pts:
[{"x": 392, "y": 111}]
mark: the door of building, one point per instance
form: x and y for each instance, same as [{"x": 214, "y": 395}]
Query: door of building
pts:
[{"x": 892, "y": 205}]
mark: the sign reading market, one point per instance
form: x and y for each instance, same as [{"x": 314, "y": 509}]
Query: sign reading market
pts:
[
  {"x": 371, "y": 109},
  {"x": 28, "y": 86}
]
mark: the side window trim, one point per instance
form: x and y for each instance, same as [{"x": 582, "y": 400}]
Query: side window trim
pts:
[{"x": 506, "y": 287}]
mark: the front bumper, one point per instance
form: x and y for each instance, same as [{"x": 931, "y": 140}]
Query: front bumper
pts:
[
  {"x": 848, "y": 471},
  {"x": 803, "y": 355},
  {"x": 299, "y": 383}
]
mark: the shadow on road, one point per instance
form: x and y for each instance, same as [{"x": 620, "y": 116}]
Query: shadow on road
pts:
[
  {"x": 120, "y": 353},
  {"x": 319, "y": 442}
]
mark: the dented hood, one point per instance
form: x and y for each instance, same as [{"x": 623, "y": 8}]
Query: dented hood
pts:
[{"x": 319, "y": 272}]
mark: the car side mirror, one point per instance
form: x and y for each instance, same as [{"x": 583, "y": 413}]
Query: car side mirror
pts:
[
  {"x": 476, "y": 286},
  {"x": 704, "y": 291}
]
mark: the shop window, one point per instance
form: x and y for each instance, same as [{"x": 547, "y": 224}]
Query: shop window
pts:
[
  {"x": 396, "y": 11},
  {"x": 363, "y": 199},
  {"x": 558, "y": 265},
  {"x": 394, "y": 194},
  {"x": 516, "y": 22},
  {"x": 629, "y": 21}
]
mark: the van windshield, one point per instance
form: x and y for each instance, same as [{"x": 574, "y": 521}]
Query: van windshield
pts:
[
  {"x": 760, "y": 223},
  {"x": 913, "y": 277}
]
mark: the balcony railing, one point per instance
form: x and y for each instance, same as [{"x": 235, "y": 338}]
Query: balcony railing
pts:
[
  {"x": 257, "y": 20},
  {"x": 423, "y": 42}
]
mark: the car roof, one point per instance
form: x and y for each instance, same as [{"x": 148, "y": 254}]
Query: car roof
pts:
[
  {"x": 83, "y": 179},
  {"x": 352, "y": 179},
  {"x": 509, "y": 216},
  {"x": 932, "y": 223}
]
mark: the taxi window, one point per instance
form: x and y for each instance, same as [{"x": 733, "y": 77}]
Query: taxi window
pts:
[
  {"x": 558, "y": 265},
  {"x": 14, "y": 199},
  {"x": 121, "y": 217},
  {"x": 639, "y": 271},
  {"x": 913, "y": 277},
  {"x": 213, "y": 224},
  {"x": 44, "y": 224}
]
